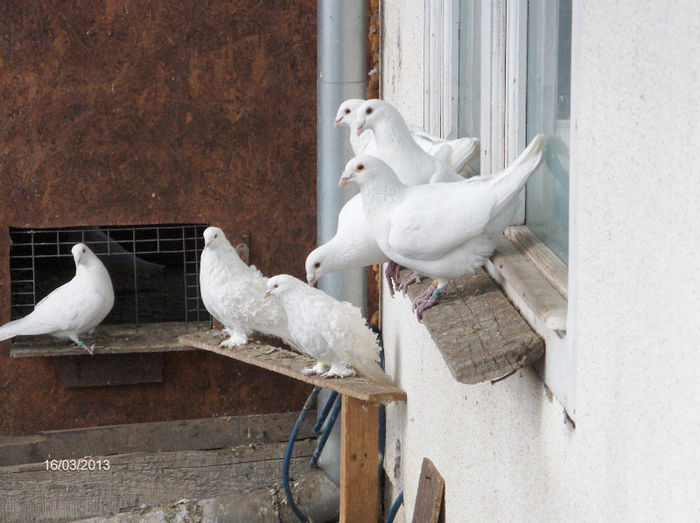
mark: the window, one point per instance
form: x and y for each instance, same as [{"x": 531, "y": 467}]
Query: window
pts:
[
  {"x": 548, "y": 112},
  {"x": 511, "y": 65}
]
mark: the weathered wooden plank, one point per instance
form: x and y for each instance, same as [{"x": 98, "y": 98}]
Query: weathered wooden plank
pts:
[
  {"x": 517, "y": 272},
  {"x": 551, "y": 267},
  {"x": 112, "y": 369},
  {"x": 161, "y": 436},
  {"x": 359, "y": 459},
  {"x": 431, "y": 489},
  {"x": 478, "y": 331},
  {"x": 291, "y": 364},
  {"x": 31, "y": 493},
  {"x": 111, "y": 339}
]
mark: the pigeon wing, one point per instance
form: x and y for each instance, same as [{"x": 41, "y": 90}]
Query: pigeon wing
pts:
[{"x": 434, "y": 219}]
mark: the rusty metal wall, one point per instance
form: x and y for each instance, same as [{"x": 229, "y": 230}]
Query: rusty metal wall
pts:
[{"x": 135, "y": 112}]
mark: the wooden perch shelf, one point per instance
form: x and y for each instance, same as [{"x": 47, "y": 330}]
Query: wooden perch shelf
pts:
[
  {"x": 359, "y": 449},
  {"x": 110, "y": 339},
  {"x": 290, "y": 364}
]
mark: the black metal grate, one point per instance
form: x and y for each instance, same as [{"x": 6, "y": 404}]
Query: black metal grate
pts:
[{"x": 154, "y": 269}]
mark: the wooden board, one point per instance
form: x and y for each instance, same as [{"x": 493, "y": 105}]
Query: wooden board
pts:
[
  {"x": 111, "y": 339},
  {"x": 429, "y": 498},
  {"x": 477, "y": 329},
  {"x": 31, "y": 493},
  {"x": 359, "y": 461},
  {"x": 291, "y": 364},
  {"x": 161, "y": 436}
]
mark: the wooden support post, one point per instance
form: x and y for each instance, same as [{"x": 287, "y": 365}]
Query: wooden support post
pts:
[{"x": 359, "y": 459}]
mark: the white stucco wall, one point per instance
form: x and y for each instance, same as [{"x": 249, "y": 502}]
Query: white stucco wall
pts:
[{"x": 505, "y": 450}]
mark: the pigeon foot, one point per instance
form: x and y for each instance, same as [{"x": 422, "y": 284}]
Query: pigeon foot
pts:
[
  {"x": 90, "y": 349},
  {"x": 319, "y": 368},
  {"x": 414, "y": 278},
  {"x": 392, "y": 276},
  {"x": 427, "y": 299},
  {"x": 235, "y": 338},
  {"x": 340, "y": 371}
]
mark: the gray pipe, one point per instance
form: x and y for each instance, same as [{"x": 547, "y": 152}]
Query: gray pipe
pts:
[{"x": 342, "y": 74}]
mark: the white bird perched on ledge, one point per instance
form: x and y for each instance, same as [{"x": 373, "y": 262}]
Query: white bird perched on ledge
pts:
[
  {"x": 460, "y": 153},
  {"x": 73, "y": 308},
  {"x": 440, "y": 230},
  {"x": 332, "y": 332},
  {"x": 232, "y": 292},
  {"x": 353, "y": 245}
]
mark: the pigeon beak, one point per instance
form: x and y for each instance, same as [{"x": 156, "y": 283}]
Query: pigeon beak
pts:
[
  {"x": 338, "y": 122},
  {"x": 345, "y": 179},
  {"x": 78, "y": 261},
  {"x": 312, "y": 281},
  {"x": 360, "y": 128},
  {"x": 267, "y": 294},
  {"x": 206, "y": 245}
]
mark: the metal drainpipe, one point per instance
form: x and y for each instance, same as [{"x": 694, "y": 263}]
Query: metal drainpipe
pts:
[{"x": 342, "y": 74}]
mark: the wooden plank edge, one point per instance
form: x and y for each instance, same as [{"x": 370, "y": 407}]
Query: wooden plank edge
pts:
[{"x": 336, "y": 384}]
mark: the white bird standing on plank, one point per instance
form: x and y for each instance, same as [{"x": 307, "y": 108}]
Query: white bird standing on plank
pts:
[
  {"x": 332, "y": 332},
  {"x": 232, "y": 292},
  {"x": 73, "y": 308},
  {"x": 440, "y": 230},
  {"x": 460, "y": 153}
]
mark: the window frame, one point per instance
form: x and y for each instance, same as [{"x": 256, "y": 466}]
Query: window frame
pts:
[{"x": 502, "y": 102}]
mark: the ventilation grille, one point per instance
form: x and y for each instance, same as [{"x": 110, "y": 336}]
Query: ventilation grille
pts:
[{"x": 154, "y": 269}]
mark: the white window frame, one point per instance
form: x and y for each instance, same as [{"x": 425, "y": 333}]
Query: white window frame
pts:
[{"x": 503, "y": 82}]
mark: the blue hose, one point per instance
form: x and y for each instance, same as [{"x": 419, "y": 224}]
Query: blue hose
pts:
[
  {"x": 326, "y": 431},
  {"x": 324, "y": 413},
  {"x": 394, "y": 508},
  {"x": 288, "y": 455}
]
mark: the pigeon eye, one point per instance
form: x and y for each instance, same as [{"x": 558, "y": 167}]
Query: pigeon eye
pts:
[
  {"x": 216, "y": 236},
  {"x": 347, "y": 111},
  {"x": 275, "y": 285},
  {"x": 317, "y": 265},
  {"x": 83, "y": 251},
  {"x": 360, "y": 167},
  {"x": 369, "y": 110}
]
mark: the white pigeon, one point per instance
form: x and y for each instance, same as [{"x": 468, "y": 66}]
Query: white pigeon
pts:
[
  {"x": 73, "y": 308},
  {"x": 461, "y": 153},
  {"x": 232, "y": 292},
  {"x": 332, "y": 332},
  {"x": 395, "y": 146},
  {"x": 353, "y": 245},
  {"x": 440, "y": 230}
]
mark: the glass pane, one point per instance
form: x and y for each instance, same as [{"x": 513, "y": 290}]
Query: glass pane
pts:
[
  {"x": 469, "y": 66},
  {"x": 548, "y": 108}
]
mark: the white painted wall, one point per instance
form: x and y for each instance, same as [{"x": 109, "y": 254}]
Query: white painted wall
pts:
[{"x": 505, "y": 450}]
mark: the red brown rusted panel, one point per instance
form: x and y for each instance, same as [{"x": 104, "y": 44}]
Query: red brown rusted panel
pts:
[{"x": 129, "y": 112}]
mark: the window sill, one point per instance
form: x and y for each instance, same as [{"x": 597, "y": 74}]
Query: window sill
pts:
[
  {"x": 481, "y": 332},
  {"x": 112, "y": 339}
]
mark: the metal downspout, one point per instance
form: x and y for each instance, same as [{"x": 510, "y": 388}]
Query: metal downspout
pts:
[{"x": 342, "y": 74}]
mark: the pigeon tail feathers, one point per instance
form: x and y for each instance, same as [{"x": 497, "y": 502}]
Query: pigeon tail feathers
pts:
[{"x": 513, "y": 178}]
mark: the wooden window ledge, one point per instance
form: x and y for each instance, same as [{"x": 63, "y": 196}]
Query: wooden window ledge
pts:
[
  {"x": 111, "y": 339},
  {"x": 479, "y": 332}
]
